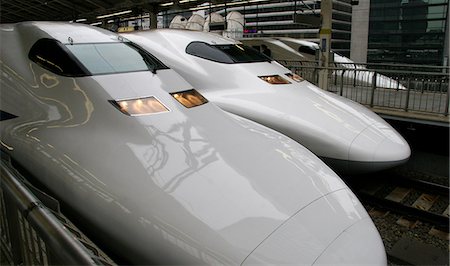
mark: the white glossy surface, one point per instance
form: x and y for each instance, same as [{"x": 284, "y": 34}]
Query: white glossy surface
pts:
[
  {"x": 325, "y": 123},
  {"x": 178, "y": 22},
  {"x": 309, "y": 237},
  {"x": 353, "y": 245},
  {"x": 188, "y": 186},
  {"x": 195, "y": 22},
  {"x": 383, "y": 141}
]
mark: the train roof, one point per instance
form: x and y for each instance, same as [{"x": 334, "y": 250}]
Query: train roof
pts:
[
  {"x": 267, "y": 40},
  {"x": 73, "y": 50},
  {"x": 184, "y": 37},
  {"x": 64, "y": 32},
  {"x": 298, "y": 41}
]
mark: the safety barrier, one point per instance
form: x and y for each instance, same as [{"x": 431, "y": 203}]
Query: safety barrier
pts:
[
  {"x": 32, "y": 234},
  {"x": 392, "y": 86}
]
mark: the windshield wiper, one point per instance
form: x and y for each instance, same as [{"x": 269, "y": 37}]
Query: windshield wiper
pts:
[{"x": 149, "y": 64}]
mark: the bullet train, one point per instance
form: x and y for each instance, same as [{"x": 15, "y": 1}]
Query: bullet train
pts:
[
  {"x": 242, "y": 81},
  {"x": 279, "y": 50},
  {"x": 159, "y": 174},
  {"x": 356, "y": 73}
]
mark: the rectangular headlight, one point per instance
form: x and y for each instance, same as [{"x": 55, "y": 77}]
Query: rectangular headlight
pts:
[
  {"x": 295, "y": 77},
  {"x": 189, "y": 98},
  {"x": 141, "y": 106},
  {"x": 274, "y": 79}
]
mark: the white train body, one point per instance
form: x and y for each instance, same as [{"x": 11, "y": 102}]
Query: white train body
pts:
[
  {"x": 174, "y": 185},
  {"x": 347, "y": 135},
  {"x": 357, "y": 74}
]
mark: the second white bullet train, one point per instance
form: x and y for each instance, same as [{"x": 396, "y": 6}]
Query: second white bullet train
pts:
[
  {"x": 360, "y": 75},
  {"x": 242, "y": 81},
  {"x": 156, "y": 173}
]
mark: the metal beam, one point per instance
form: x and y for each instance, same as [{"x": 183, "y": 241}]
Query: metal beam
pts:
[
  {"x": 98, "y": 3},
  {"x": 18, "y": 10},
  {"x": 41, "y": 11},
  {"x": 70, "y": 5},
  {"x": 65, "y": 9}
]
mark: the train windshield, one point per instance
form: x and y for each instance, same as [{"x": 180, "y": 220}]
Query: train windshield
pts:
[
  {"x": 81, "y": 60},
  {"x": 226, "y": 53},
  {"x": 107, "y": 58}
]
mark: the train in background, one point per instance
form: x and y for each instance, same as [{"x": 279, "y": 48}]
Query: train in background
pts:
[
  {"x": 242, "y": 81},
  {"x": 155, "y": 172},
  {"x": 291, "y": 49}
]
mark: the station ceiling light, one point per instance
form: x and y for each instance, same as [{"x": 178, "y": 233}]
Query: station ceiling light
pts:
[{"x": 115, "y": 14}]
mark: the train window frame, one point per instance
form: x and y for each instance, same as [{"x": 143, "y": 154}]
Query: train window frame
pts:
[
  {"x": 215, "y": 53},
  {"x": 55, "y": 57},
  {"x": 203, "y": 49},
  {"x": 47, "y": 53}
]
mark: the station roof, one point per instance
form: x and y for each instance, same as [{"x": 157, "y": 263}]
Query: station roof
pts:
[
  {"x": 90, "y": 10},
  {"x": 66, "y": 10}
]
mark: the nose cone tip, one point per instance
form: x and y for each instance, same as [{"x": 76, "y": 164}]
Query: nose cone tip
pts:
[
  {"x": 392, "y": 148},
  {"x": 334, "y": 229},
  {"x": 358, "y": 245},
  {"x": 380, "y": 146}
]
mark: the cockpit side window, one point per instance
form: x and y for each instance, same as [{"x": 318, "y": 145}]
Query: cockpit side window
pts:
[
  {"x": 206, "y": 51},
  {"x": 226, "y": 53},
  {"x": 307, "y": 50},
  {"x": 53, "y": 56}
]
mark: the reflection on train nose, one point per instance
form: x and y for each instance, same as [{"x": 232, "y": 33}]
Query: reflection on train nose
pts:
[
  {"x": 379, "y": 145},
  {"x": 307, "y": 238}
]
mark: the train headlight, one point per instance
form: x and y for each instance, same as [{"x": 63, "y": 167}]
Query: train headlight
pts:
[
  {"x": 295, "y": 77},
  {"x": 141, "y": 106},
  {"x": 274, "y": 79},
  {"x": 189, "y": 98}
]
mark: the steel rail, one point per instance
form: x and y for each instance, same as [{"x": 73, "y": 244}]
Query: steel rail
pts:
[
  {"x": 441, "y": 222},
  {"x": 418, "y": 184}
]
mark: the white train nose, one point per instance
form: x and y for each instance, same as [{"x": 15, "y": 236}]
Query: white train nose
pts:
[
  {"x": 334, "y": 229},
  {"x": 378, "y": 147},
  {"x": 357, "y": 245}
]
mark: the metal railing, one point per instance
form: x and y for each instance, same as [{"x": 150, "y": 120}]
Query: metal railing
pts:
[
  {"x": 425, "y": 91},
  {"x": 32, "y": 234}
]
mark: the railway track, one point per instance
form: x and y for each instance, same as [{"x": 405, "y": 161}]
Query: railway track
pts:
[{"x": 412, "y": 198}]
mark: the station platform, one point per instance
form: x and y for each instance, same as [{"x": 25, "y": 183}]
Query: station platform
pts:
[{"x": 413, "y": 117}]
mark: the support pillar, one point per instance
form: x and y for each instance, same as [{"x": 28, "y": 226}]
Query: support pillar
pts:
[
  {"x": 153, "y": 20},
  {"x": 360, "y": 31},
  {"x": 325, "y": 42},
  {"x": 152, "y": 13}
]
